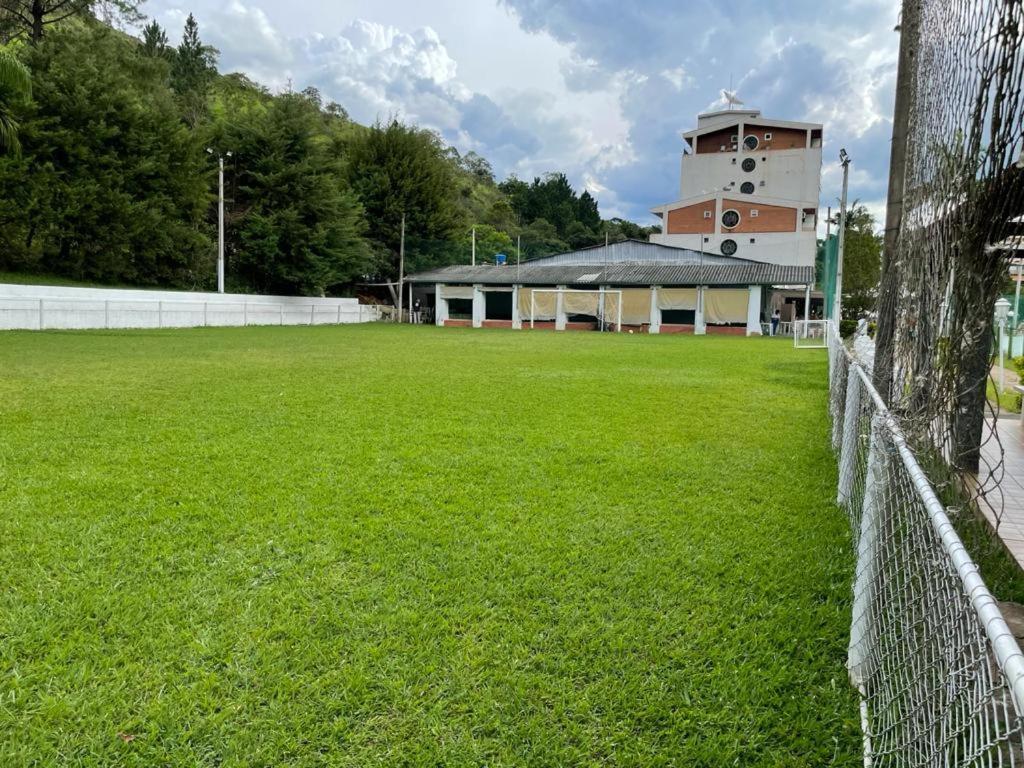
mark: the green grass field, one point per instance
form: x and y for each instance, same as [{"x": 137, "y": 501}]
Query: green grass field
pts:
[{"x": 384, "y": 545}]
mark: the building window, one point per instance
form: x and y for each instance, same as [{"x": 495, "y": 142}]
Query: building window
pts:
[
  {"x": 749, "y": 164},
  {"x": 753, "y": 213},
  {"x": 751, "y": 142},
  {"x": 730, "y": 218},
  {"x": 752, "y": 240},
  {"x": 707, "y": 214},
  {"x": 747, "y": 187},
  {"x": 728, "y": 247},
  {"x": 707, "y": 239},
  {"x": 734, "y": 138},
  {"x": 768, "y": 136}
]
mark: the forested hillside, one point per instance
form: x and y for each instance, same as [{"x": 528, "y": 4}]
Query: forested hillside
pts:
[{"x": 111, "y": 175}]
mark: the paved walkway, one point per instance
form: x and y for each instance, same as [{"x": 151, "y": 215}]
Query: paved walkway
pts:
[{"x": 1011, "y": 515}]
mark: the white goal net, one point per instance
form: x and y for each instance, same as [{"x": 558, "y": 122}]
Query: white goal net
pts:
[
  {"x": 810, "y": 334},
  {"x": 549, "y": 303}
]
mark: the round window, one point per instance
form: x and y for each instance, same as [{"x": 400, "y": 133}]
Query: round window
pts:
[
  {"x": 728, "y": 247},
  {"x": 749, "y": 164},
  {"x": 747, "y": 187},
  {"x": 750, "y": 142},
  {"x": 730, "y": 218}
]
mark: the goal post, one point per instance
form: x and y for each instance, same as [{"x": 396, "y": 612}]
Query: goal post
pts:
[
  {"x": 601, "y": 293},
  {"x": 810, "y": 334}
]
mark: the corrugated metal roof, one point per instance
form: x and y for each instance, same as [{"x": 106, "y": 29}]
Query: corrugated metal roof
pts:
[
  {"x": 634, "y": 252},
  {"x": 530, "y": 273},
  {"x": 631, "y": 262}
]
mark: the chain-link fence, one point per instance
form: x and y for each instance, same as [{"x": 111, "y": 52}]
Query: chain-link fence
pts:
[{"x": 940, "y": 674}]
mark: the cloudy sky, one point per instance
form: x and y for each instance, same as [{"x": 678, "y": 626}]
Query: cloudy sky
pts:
[{"x": 599, "y": 89}]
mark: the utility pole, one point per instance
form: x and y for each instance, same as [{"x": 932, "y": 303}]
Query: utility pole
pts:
[
  {"x": 908, "y": 29},
  {"x": 220, "y": 218},
  {"x": 473, "y": 256},
  {"x": 838, "y": 306},
  {"x": 519, "y": 243},
  {"x": 401, "y": 267}
]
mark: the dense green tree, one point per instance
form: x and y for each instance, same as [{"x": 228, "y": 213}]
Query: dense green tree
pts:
[
  {"x": 15, "y": 89},
  {"x": 541, "y": 238},
  {"x": 109, "y": 187},
  {"x": 114, "y": 185},
  {"x": 398, "y": 169},
  {"x": 578, "y": 235},
  {"x": 193, "y": 71},
  {"x": 302, "y": 228},
  {"x": 30, "y": 18},
  {"x": 154, "y": 41},
  {"x": 586, "y": 211},
  {"x": 862, "y": 261},
  {"x": 489, "y": 243}
]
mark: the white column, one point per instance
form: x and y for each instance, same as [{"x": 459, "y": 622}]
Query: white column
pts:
[
  {"x": 517, "y": 321},
  {"x": 440, "y": 305},
  {"x": 754, "y": 311},
  {"x": 479, "y": 306},
  {"x": 699, "y": 328},
  {"x": 560, "y": 318},
  {"x": 655, "y": 326}
]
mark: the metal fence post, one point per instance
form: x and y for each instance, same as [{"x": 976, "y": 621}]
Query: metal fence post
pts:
[
  {"x": 41, "y": 326},
  {"x": 160, "y": 314},
  {"x": 106, "y": 313},
  {"x": 848, "y": 451}
]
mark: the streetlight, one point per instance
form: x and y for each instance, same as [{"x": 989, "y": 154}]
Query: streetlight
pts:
[
  {"x": 220, "y": 218},
  {"x": 844, "y": 159},
  {"x": 1002, "y": 310}
]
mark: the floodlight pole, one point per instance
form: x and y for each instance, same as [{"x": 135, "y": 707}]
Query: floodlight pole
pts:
[
  {"x": 472, "y": 257},
  {"x": 838, "y": 305},
  {"x": 220, "y": 226}
]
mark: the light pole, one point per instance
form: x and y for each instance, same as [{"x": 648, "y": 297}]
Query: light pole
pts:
[
  {"x": 220, "y": 218},
  {"x": 838, "y": 305},
  {"x": 1002, "y": 310}
]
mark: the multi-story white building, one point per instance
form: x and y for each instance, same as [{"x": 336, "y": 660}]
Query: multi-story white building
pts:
[{"x": 750, "y": 187}]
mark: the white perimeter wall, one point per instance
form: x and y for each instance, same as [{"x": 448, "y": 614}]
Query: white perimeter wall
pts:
[{"x": 36, "y": 307}]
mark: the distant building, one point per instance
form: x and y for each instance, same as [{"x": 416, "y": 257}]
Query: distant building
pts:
[
  {"x": 632, "y": 285},
  {"x": 749, "y": 188},
  {"x": 739, "y": 244}
]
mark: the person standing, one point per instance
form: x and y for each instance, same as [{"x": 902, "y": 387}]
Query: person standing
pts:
[
  {"x": 416, "y": 309},
  {"x": 776, "y": 318}
]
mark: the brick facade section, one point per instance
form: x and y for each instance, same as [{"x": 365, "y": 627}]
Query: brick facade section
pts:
[
  {"x": 782, "y": 138},
  {"x": 770, "y": 218},
  {"x": 714, "y": 141},
  {"x": 690, "y": 220}
]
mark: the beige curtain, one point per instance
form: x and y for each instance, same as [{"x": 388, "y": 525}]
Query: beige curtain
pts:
[
  {"x": 677, "y": 298},
  {"x": 544, "y": 304},
  {"x": 636, "y": 306},
  {"x": 726, "y": 305},
  {"x": 581, "y": 303},
  {"x": 457, "y": 292}
]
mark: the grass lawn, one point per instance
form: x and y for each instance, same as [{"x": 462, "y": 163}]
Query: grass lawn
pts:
[{"x": 381, "y": 545}]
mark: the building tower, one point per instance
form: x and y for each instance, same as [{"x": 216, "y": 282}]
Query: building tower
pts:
[{"x": 749, "y": 188}]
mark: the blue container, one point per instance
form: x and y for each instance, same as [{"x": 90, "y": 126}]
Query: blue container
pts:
[{"x": 500, "y": 259}]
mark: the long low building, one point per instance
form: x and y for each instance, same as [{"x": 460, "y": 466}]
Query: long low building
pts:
[{"x": 633, "y": 285}]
